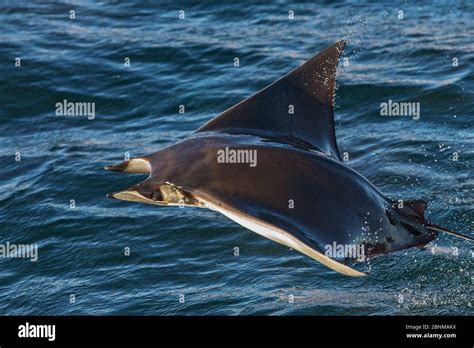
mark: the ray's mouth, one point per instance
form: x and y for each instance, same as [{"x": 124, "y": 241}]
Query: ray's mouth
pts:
[{"x": 160, "y": 194}]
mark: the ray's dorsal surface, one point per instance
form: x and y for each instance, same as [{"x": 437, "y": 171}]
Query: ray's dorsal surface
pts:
[
  {"x": 298, "y": 107},
  {"x": 279, "y": 174}
]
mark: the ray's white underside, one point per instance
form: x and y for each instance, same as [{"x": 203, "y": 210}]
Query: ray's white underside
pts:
[{"x": 282, "y": 237}]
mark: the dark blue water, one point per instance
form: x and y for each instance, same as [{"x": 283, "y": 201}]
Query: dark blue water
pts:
[{"x": 190, "y": 62}]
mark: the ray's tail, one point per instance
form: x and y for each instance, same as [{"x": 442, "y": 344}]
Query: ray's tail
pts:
[
  {"x": 433, "y": 227},
  {"x": 414, "y": 210}
]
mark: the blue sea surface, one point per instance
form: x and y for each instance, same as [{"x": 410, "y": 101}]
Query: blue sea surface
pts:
[{"x": 182, "y": 262}]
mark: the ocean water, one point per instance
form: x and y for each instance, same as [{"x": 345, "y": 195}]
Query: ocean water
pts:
[{"x": 53, "y": 186}]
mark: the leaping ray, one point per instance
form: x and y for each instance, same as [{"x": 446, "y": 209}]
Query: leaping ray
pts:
[{"x": 271, "y": 164}]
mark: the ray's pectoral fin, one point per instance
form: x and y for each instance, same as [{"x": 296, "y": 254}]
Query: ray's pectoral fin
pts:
[
  {"x": 278, "y": 234},
  {"x": 298, "y": 108}
]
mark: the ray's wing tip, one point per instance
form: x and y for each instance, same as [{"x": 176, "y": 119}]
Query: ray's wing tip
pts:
[
  {"x": 342, "y": 42},
  {"x": 352, "y": 272},
  {"x": 339, "y": 46},
  {"x": 360, "y": 274}
]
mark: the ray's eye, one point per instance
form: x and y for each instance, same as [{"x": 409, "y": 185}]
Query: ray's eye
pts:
[
  {"x": 157, "y": 195},
  {"x": 146, "y": 194}
]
